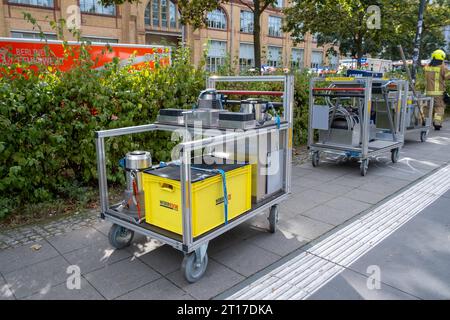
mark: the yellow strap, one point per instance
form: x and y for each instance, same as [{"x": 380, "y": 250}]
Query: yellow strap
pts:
[
  {"x": 437, "y": 82},
  {"x": 434, "y": 93},
  {"x": 433, "y": 69}
]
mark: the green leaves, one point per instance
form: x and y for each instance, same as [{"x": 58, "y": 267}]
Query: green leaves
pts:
[
  {"x": 344, "y": 23},
  {"x": 48, "y": 122}
]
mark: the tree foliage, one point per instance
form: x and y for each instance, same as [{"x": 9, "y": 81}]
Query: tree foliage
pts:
[{"x": 344, "y": 24}]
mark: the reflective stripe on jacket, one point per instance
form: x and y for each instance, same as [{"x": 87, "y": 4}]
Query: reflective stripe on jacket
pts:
[{"x": 435, "y": 80}]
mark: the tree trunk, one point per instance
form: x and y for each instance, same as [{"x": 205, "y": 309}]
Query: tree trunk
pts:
[
  {"x": 257, "y": 35},
  {"x": 359, "y": 51}
]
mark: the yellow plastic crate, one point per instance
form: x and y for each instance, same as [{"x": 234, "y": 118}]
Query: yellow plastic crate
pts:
[{"x": 163, "y": 206}]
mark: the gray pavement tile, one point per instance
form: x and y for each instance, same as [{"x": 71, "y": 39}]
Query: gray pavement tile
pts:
[
  {"x": 306, "y": 182},
  {"x": 20, "y": 257},
  {"x": 121, "y": 277},
  {"x": 299, "y": 203},
  {"x": 350, "y": 285},
  {"x": 40, "y": 276},
  {"x": 333, "y": 188},
  {"x": 304, "y": 227},
  {"x": 280, "y": 243},
  {"x": 409, "y": 174},
  {"x": 323, "y": 176},
  {"x": 306, "y": 165},
  {"x": 245, "y": 258},
  {"x": 380, "y": 188},
  {"x": 329, "y": 215},
  {"x": 96, "y": 256},
  {"x": 161, "y": 289},
  {"x": 297, "y": 189},
  {"x": 365, "y": 196},
  {"x": 164, "y": 259},
  {"x": 239, "y": 234},
  {"x": 447, "y": 194},
  {"x": 5, "y": 292},
  {"x": 352, "y": 181},
  {"x": 61, "y": 292},
  {"x": 318, "y": 196},
  {"x": 415, "y": 258},
  {"x": 102, "y": 226},
  {"x": 299, "y": 172},
  {"x": 353, "y": 207},
  {"x": 76, "y": 239},
  {"x": 216, "y": 280}
]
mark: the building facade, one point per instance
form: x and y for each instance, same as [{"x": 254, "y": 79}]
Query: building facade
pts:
[{"x": 228, "y": 34}]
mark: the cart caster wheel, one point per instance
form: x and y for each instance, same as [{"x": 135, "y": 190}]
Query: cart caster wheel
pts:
[
  {"x": 273, "y": 219},
  {"x": 364, "y": 167},
  {"x": 395, "y": 155},
  {"x": 120, "y": 237},
  {"x": 192, "y": 269},
  {"x": 315, "y": 159},
  {"x": 423, "y": 136}
]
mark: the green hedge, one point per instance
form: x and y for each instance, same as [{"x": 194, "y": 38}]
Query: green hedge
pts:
[
  {"x": 49, "y": 118},
  {"x": 48, "y": 121}
]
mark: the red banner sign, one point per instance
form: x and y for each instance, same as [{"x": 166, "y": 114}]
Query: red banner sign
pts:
[{"x": 55, "y": 55}]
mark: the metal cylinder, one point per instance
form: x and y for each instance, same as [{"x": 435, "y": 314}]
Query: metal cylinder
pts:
[
  {"x": 135, "y": 163},
  {"x": 210, "y": 99},
  {"x": 256, "y": 106}
]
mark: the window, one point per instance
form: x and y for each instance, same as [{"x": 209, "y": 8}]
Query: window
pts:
[
  {"x": 161, "y": 13},
  {"x": 172, "y": 14},
  {"x": 297, "y": 58},
  {"x": 246, "y": 21},
  {"x": 278, "y": 4},
  {"x": 94, "y": 6},
  {"x": 147, "y": 15},
  {"x": 32, "y": 35},
  {"x": 274, "y": 58},
  {"x": 246, "y": 56},
  {"x": 99, "y": 40},
  {"x": 334, "y": 62},
  {"x": 314, "y": 37},
  {"x": 38, "y": 3},
  {"x": 274, "y": 26},
  {"x": 164, "y": 13},
  {"x": 217, "y": 19},
  {"x": 155, "y": 11},
  {"x": 216, "y": 55},
  {"x": 316, "y": 59}
]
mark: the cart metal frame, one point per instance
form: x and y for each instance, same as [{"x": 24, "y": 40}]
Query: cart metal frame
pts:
[
  {"x": 367, "y": 149},
  {"x": 187, "y": 243},
  {"x": 422, "y": 130}
]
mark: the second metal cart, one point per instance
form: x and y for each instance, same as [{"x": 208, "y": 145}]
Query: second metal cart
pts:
[
  {"x": 419, "y": 116},
  {"x": 358, "y": 118}
]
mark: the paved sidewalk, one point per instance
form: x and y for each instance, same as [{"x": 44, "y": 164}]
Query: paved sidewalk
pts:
[
  {"x": 412, "y": 263},
  {"x": 323, "y": 198}
]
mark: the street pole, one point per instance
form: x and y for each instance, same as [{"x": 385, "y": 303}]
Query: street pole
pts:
[{"x": 417, "y": 41}]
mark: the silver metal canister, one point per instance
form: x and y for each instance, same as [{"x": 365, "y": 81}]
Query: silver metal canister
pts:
[
  {"x": 135, "y": 163},
  {"x": 257, "y": 107}
]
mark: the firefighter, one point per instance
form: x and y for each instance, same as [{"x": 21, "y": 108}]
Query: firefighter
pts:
[{"x": 435, "y": 76}]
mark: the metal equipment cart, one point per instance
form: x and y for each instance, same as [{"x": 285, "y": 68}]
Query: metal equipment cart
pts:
[
  {"x": 195, "y": 248},
  {"x": 358, "y": 118},
  {"x": 419, "y": 116}
]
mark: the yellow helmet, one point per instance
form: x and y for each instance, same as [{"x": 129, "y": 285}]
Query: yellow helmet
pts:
[{"x": 438, "y": 55}]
